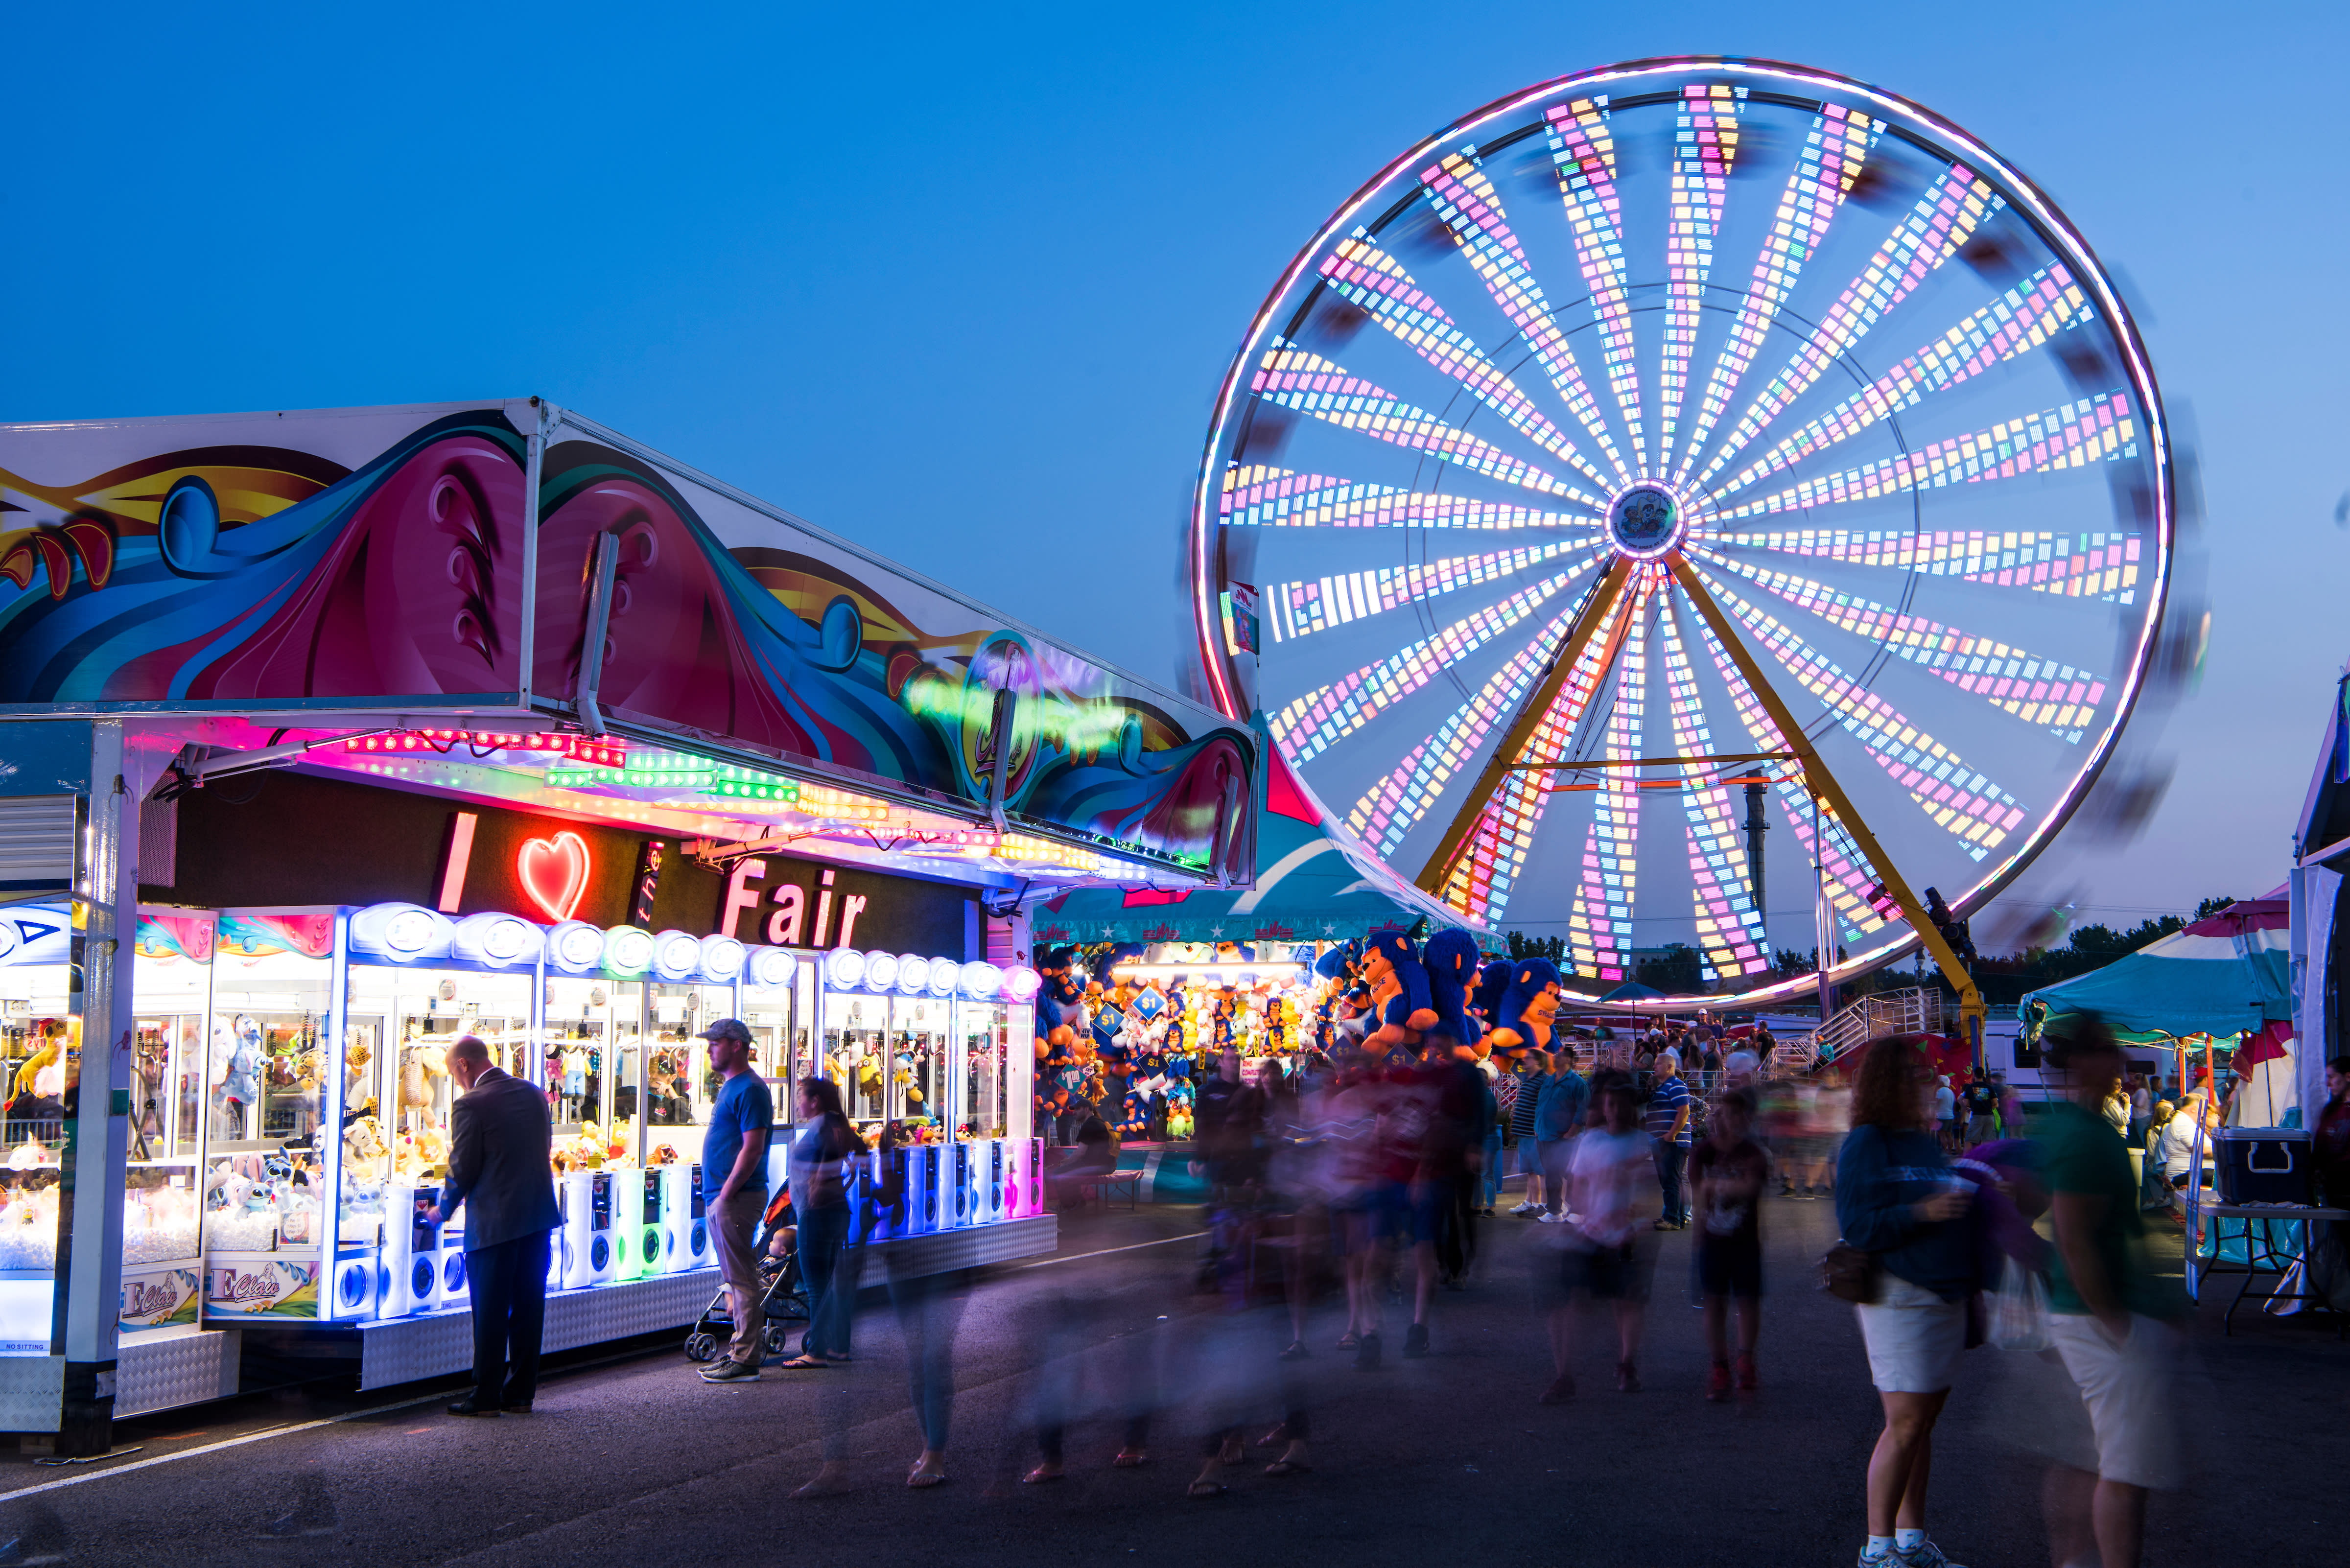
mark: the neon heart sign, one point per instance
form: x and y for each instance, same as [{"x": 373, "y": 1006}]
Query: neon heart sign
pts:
[{"x": 554, "y": 872}]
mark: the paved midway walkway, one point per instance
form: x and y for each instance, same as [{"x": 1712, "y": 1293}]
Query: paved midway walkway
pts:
[{"x": 632, "y": 1460}]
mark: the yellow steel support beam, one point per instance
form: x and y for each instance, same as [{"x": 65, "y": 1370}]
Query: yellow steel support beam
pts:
[
  {"x": 1455, "y": 842},
  {"x": 1824, "y": 785}
]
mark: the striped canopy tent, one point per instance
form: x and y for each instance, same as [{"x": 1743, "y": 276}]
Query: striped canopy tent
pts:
[
  {"x": 1315, "y": 882},
  {"x": 2226, "y": 976}
]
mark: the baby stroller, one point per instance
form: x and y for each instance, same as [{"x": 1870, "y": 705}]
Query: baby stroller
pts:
[{"x": 782, "y": 1297}]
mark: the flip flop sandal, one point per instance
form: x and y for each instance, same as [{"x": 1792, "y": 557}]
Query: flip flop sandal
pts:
[
  {"x": 1200, "y": 1492},
  {"x": 1289, "y": 1467},
  {"x": 1130, "y": 1461},
  {"x": 920, "y": 1482},
  {"x": 1039, "y": 1477},
  {"x": 806, "y": 1364}
]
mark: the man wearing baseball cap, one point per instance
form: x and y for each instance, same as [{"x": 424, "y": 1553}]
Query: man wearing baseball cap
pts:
[{"x": 734, "y": 1177}]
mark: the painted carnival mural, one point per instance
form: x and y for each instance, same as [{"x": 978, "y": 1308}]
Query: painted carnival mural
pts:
[{"x": 245, "y": 573}]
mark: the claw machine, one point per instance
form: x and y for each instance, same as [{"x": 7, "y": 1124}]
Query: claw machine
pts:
[
  {"x": 857, "y": 1001},
  {"x": 417, "y": 982},
  {"x": 274, "y": 1048}
]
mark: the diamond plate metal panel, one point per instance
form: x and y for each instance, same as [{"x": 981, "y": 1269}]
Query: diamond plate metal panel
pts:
[
  {"x": 161, "y": 1368},
  {"x": 32, "y": 1387}
]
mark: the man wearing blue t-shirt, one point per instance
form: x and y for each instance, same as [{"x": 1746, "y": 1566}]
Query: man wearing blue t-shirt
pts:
[
  {"x": 734, "y": 1175},
  {"x": 1668, "y": 1130}
]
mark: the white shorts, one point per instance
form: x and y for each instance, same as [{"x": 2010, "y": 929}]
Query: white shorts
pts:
[
  {"x": 1914, "y": 1338},
  {"x": 2131, "y": 1392}
]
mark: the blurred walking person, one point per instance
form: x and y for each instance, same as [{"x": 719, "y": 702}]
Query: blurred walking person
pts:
[
  {"x": 1729, "y": 1170},
  {"x": 2112, "y": 1318},
  {"x": 1565, "y": 1105},
  {"x": 1602, "y": 1255},
  {"x": 1899, "y": 1201}
]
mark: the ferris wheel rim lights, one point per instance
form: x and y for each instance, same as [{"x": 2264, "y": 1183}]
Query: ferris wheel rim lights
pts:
[{"x": 1999, "y": 833}]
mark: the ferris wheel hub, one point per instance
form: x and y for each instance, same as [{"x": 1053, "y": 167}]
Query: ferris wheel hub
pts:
[{"x": 1645, "y": 520}]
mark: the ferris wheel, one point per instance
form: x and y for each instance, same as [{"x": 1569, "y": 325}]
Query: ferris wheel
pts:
[{"x": 1675, "y": 458}]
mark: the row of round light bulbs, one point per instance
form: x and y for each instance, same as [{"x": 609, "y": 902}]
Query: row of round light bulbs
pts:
[
  {"x": 411, "y": 933},
  {"x": 910, "y": 974}
]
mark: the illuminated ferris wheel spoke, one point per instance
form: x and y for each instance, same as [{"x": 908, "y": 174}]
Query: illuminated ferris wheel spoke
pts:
[
  {"x": 1599, "y": 922},
  {"x": 1731, "y": 938},
  {"x": 1585, "y": 156},
  {"x": 1393, "y": 806},
  {"x": 2027, "y": 316},
  {"x": 1314, "y": 723},
  {"x": 1293, "y": 378},
  {"x": 1967, "y": 803},
  {"x": 1705, "y": 145},
  {"x": 1929, "y": 234},
  {"x": 1366, "y": 276},
  {"x": 1480, "y": 880},
  {"x": 1780, "y": 485},
  {"x": 2102, "y": 566},
  {"x": 1295, "y": 609},
  {"x": 2070, "y": 435},
  {"x": 1844, "y": 871},
  {"x": 2036, "y": 689},
  {"x": 1839, "y": 142},
  {"x": 1460, "y": 194},
  {"x": 1256, "y": 496}
]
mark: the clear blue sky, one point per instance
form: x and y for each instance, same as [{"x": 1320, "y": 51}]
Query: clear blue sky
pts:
[{"x": 961, "y": 282}]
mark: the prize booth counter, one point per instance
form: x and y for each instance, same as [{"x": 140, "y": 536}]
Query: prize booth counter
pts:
[{"x": 323, "y": 1091}]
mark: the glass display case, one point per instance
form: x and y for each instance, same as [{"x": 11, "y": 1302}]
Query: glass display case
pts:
[
  {"x": 986, "y": 1105},
  {"x": 856, "y": 1055},
  {"x": 40, "y": 1026},
  {"x": 775, "y": 1006}
]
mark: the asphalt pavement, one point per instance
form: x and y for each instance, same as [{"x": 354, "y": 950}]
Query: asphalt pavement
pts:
[{"x": 630, "y": 1459}]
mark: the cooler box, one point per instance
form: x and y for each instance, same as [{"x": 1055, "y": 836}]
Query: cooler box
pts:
[{"x": 2262, "y": 1165}]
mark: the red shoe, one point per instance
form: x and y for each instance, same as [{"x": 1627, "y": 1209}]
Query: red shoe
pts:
[
  {"x": 1747, "y": 1381},
  {"x": 1716, "y": 1382}
]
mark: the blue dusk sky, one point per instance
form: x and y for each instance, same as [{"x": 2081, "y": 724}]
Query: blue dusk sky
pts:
[{"x": 961, "y": 282}]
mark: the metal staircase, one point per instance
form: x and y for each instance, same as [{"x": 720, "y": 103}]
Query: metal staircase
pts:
[{"x": 1918, "y": 1010}]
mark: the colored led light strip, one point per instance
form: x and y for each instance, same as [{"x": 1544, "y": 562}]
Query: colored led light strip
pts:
[
  {"x": 2036, "y": 689},
  {"x": 1361, "y": 272},
  {"x": 1481, "y": 881},
  {"x": 1966, "y": 803},
  {"x": 1465, "y": 199},
  {"x": 1293, "y": 378},
  {"x": 1259, "y": 497},
  {"x": 1392, "y": 808},
  {"x": 1831, "y": 156},
  {"x": 1599, "y": 923},
  {"x": 1302, "y": 609},
  {"x": 1705, "y": 145},
  {"x": 2070, "y": 435},
  {"x": 1583, "y": 153},
  {"x": 1844, "y": 872},
  {"x": 1729, "y": 929},
  {"x": 2021, "y": 319},
  {"x": 1311, "y": 724},
  {"x": 1943, "y": 219},
  {"x": 2077, "y": 566}
]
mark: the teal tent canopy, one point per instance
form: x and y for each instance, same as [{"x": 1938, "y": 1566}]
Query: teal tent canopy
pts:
[
  {"x": 2226, "y": 975},
  {"x": 1315, "y": 882}
]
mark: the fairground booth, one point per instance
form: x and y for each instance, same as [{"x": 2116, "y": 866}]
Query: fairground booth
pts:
[
  {"x": 1171, "y": 976},
  {"x": 327, "y": 738}
]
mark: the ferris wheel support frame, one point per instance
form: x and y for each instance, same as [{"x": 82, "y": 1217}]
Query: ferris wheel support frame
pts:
[{"x": 1823, "y": 786}]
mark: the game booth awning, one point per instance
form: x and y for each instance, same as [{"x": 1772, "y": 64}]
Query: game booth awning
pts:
[
  {"x": 1314, "y": 882},
  {"x": 2226, "y": 976}
]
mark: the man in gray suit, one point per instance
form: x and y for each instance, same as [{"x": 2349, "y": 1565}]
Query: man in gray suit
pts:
[{"x": 498, "y": 1160}]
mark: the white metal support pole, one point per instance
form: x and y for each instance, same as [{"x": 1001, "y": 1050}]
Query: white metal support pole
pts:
[
  {"x": 86, "y": 1318},
  {"x": 1821, "y": 924}
]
